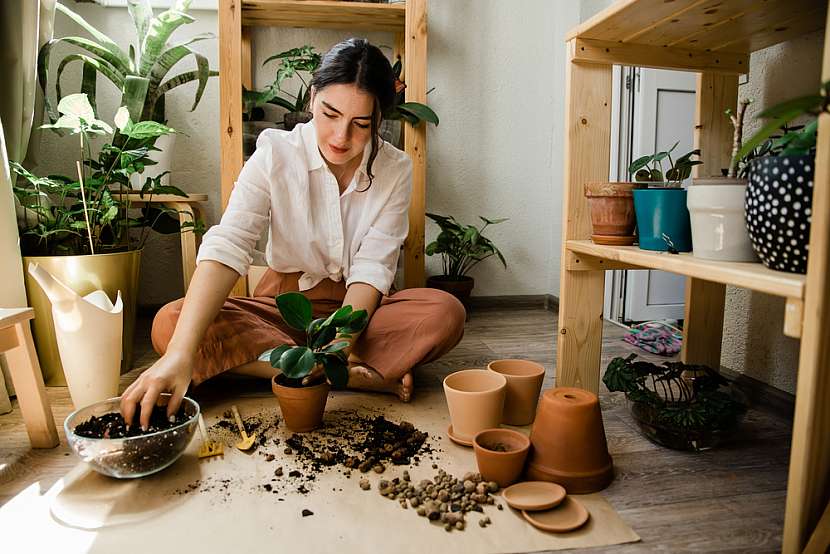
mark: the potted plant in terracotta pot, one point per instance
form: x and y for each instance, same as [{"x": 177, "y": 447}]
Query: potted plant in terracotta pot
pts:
[
  {"x": 780, "y": 166},
  {"x": 660, "y": 206},
  {"x": 461, "y": 247},
  {"x": 81, "y": 229},
  {"x": 301, "y": 400},
  {"x": 141, "y": 74}
]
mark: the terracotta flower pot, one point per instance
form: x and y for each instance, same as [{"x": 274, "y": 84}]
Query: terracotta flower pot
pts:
[
  {"x": 501, "y": 455},
  {"x": 475, "y": 398},
  {"x": 302, "y": 407},
  {"x": 569, "y": 444},
  {"x": 524, "y": 381},
  {"x": 612, "y": 212}
]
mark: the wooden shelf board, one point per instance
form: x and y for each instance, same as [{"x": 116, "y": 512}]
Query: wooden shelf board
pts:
[
  {"x": 753, "y": 276},
  {"x": 331, "y": 14},
  {"x": 737, "y": 26}
]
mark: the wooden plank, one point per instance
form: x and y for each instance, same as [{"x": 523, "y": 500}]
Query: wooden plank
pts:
[
  {"x": 588, "y": 129},
  {"x": 246, "y": 52},
  {"x": 793, "y": 317},
  {"x": 188, "y": 241},
  {"x": 703, "y": 322},
  {"x": 10, "y": 316},
  {"x": 713, "y": 129},
  {"x": 8, "y": 338},
  {"x": 135, "y": 198},
  {"x": 820, "y": 541},
  {"x": 643, "y": 55},
  {"x": 809, "y": 479},
  {"x": 415, "y": 140},
  {"x": 753, "y": 276},
  {"x": 325, "y": 14},
  {"x": 230, "y": 103},
  {"x": 800, "y": 24},
  {"x": 582, "y": 262},
  {"x": 622, "y": 19},
  {"x": 696, "y": 21},
  {"x": 31, "y": 394}
]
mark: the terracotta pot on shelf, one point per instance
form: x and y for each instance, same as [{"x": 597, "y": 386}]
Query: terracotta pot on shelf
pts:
[
  {"x": 569, "y": 445},
  {"x": 302, "y": 407},
  {"x": 612, "y": 212},
  {"x": 524, "y": 381},
  {"x": 501, "y": 455},
  {"x": 475, "y": 399}
]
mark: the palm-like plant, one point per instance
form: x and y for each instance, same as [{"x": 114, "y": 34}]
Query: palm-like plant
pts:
[{"x": 141, "y": 74}]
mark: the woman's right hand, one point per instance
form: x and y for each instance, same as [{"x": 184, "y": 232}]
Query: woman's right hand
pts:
[{"x": 171, "y": 373}]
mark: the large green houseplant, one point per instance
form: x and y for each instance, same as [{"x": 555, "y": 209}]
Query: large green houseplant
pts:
[
  {"x": 301, "y": 394},
  {"x": 82, "y": 229},
  {"x": 461, "y": 247}
]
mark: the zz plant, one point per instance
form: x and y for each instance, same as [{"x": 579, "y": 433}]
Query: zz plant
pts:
[{"x": 325, "y": 341}]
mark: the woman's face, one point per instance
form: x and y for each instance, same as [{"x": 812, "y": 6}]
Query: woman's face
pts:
[{"x": 343, "y": 119}]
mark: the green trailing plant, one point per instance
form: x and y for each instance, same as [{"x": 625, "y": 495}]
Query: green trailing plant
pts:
[
  {"x": 672, "y": 399},
  {"x": 650, "y": 169},
  {"x": 462, "y": 247},
  {"x": 326, "y": 341},
  {"x": 140, "y": 74},
  {"x": 91, "y": 214},
  {"x": 794, "y": 141}
]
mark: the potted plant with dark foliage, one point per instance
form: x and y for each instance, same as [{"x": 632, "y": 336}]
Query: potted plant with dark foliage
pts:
[
  {"x": 83, "y": 229},
  {"x": 779, "y": 162},
  {"x": 680, "y": 406},
  {"x": 660, "y": 206},
  {"x": 301, "y": 396},
  {"x": 462, "y": 247}
]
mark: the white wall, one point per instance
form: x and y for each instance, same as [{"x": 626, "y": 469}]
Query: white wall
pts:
[{"x": 498, "y": 74}]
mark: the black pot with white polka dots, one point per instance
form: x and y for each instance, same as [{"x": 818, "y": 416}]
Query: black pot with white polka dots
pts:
[{"x": 779, "y": 201}]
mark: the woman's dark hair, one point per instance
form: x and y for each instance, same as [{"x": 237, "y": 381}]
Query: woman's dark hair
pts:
[{"x": 355, "y": 61}]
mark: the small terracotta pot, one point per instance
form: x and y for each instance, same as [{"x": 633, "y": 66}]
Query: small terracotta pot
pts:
[
  {"x": 302, "y": 407},
  {"x": 475, "y": 398},
  {"x": 569, "y": 444},
  {"x": 502, "y": 466},
  {"x": 524, "y": 381},
  {"x": 612, "y": 212}
]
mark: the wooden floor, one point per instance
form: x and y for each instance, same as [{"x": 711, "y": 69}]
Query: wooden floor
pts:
[{"x": 727, "y": 500}]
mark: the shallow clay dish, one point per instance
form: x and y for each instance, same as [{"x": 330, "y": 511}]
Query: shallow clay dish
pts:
[
  {"x": 569, "y": 515},
  {"x": 456, "y": 439},
  {"x": 534, "y": 495}
]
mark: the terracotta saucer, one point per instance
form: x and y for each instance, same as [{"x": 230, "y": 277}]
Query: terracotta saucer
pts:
[
  {"x": 569, "y": 515},
  {"x": 534, "y": 495},
  {"x": 613, "y": 240},
  {"x": 456, "y": 439}
]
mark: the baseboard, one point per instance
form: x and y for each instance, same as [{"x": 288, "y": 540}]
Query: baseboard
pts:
[
  {"x": 544, "y": 301},
  {"x": 775, "y": 400}
]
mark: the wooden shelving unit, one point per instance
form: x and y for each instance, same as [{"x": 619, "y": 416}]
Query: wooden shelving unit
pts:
[
  {"x": 714, "y": 39},
  {"x": 407, "y": 20}
]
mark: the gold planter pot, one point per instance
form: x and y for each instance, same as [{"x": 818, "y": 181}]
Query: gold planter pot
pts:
[{"x": 83, "y": 274}]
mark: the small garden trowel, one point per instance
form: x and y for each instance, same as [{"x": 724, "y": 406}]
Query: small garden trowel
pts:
[{"x": 246, "y": 442}]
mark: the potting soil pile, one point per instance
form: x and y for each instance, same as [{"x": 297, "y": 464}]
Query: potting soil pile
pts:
[{"x": 371, "y": 480}]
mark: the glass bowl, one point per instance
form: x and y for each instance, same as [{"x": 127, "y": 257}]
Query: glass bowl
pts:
[{"x": 131, "y": 456}]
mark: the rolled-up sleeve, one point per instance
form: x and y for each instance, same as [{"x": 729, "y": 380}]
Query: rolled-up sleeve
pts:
[
  {"x": 377, "y": 256},
  {"x": 233, "y": 240}
]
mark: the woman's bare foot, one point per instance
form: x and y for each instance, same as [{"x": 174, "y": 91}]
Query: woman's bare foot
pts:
[{"x": 362, "y": 377}]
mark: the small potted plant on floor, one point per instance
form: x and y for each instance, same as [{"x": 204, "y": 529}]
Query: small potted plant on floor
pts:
[
  {"x": 780, "y": 166},
  {"x": 461, "y": 247},
  {"x": 716, "y": 206},
  {"x": 83, "y": 229},
  {"x": 674, "y": 409},
  {"x": 660, "y": 206},
  {"x": 301, "y": 396}
]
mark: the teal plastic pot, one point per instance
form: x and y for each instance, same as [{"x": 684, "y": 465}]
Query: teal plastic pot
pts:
[{"x": 662, "y": 212}]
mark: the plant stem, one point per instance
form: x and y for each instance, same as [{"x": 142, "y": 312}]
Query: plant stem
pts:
[
  {"x": 83, "y": 200},
  {"x": 737, "y": 136}
]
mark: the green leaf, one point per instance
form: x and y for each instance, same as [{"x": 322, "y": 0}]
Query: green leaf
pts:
[
  {"x": 325, "y": 336},
  {"x": 147, "y": 129},
  {"x": 336, "y": 370},
  {"x": 295, "y": 309},
  {"x": 297, "y": 362},
  {"x": 274, "y": 354},
  {"x": 357, "y": 322},
  {"x": 102, "y": 40},
  {"x": 639, "y": 163},
  {"x": 420, "y": 111},
  {"x": 340, "y": 317},
  {"x": 800, "y": 105},
  {"x": 493, "y": 221},
  {"x": 161, "y": 28},
  {"x": 336, "y": 346},
  {"x": 141, "y": 13}
]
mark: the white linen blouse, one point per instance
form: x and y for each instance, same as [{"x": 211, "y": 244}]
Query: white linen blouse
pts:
[{"x": 287, "y": 186}]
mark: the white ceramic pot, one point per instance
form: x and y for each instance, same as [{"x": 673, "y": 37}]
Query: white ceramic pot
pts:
[
  {"x": 163, "y": 159},
  {"x": 716, "y": 207}
]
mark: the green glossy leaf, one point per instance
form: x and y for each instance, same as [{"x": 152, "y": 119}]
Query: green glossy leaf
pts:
[
  {"x": 639, "y": 163},
  {"x": 357, "y": 322},
  {"x": 295, "y": 309},
  {"x": 339, "y": 317},
  {"x": 420, "y": 111},
  {"x": 297, "y": 362},
  {"x": 121, "y": 60},
  {"x": 273, "y": 355},
  {"x": 325, "y": 336},
  {"x": 336, "y": 370}
]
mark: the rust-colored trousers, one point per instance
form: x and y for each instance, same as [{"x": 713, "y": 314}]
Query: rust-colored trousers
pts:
[{"x": 410, "y": 327}]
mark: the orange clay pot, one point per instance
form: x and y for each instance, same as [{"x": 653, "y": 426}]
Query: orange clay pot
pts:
[
  {"x": 524, "y": 381},
  {"x": 569, "y": 444},
  {"x": 612, "y": 212},
  {"x": 302, "y": 407},
  {"x": 475, "y": 399},
  {"x": 501, "y": 455}
]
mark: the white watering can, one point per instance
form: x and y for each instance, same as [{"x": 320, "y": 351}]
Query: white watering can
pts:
[{"x": 88, "y": 330}]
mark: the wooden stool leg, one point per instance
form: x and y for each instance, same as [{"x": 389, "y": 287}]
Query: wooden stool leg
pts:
[
  {"x": 28, "y": 383},
  {"x": 188, "y": 238}
]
